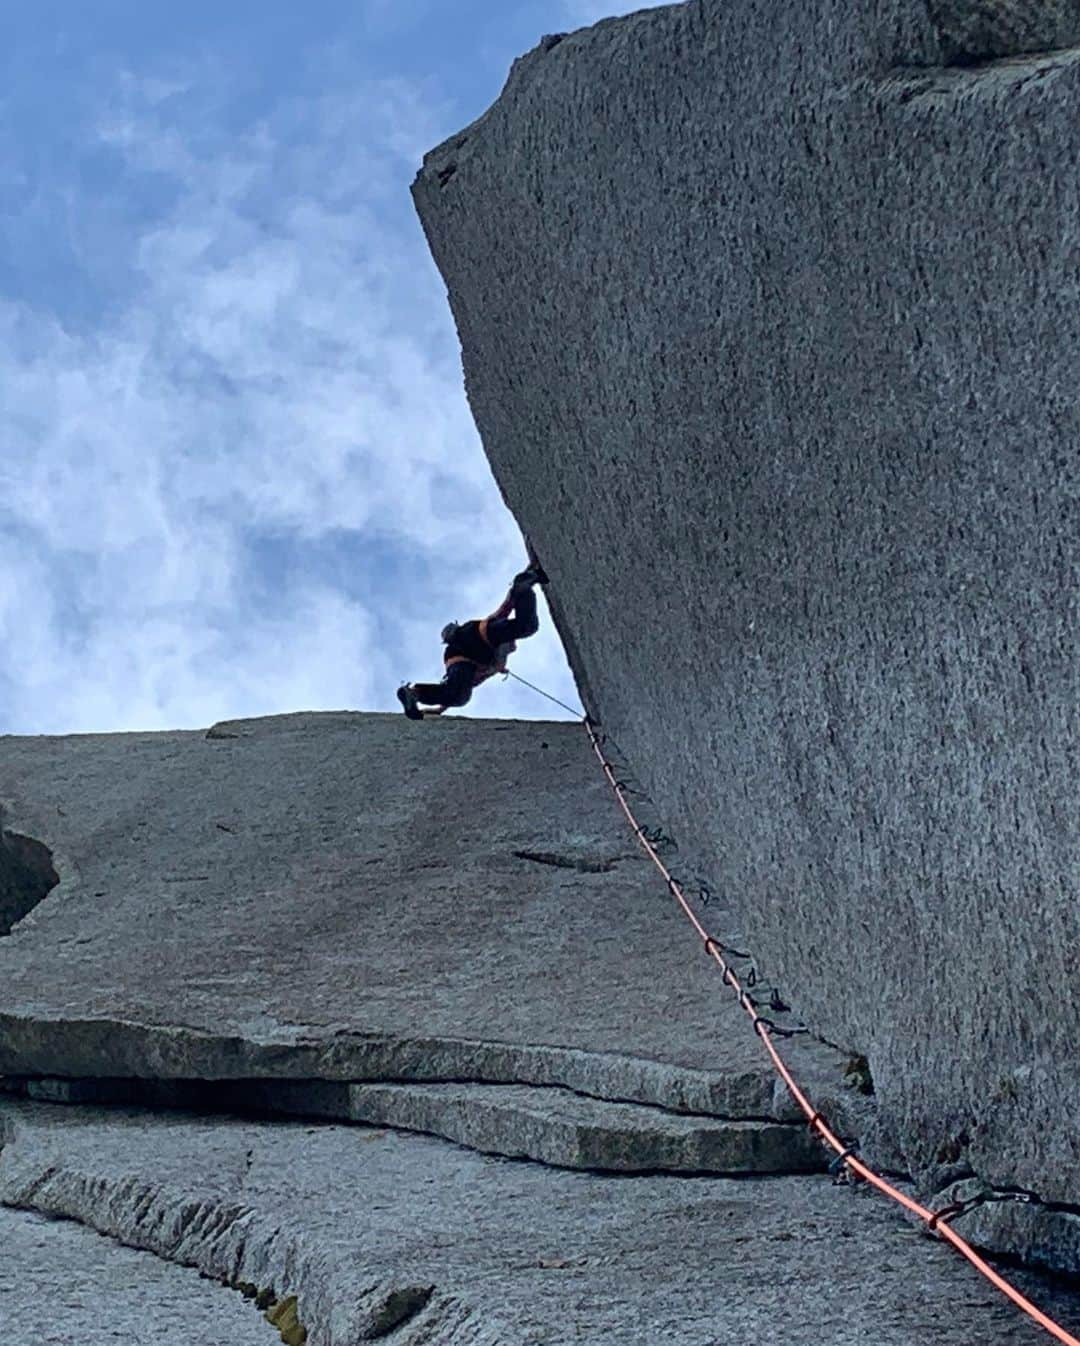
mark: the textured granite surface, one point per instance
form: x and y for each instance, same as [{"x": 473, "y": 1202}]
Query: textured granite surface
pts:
[
  {"x": 355, "y": 897},
  {"x": 773, "y": 339},
  {"x": 64, "y": 1285},
  {"x": 518, "y": 1121},
  {"x": 978, "y": 30},
  {"x": 384, "y": 1234}
]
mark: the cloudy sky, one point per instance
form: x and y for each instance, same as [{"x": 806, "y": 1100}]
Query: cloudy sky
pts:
[{"x": 237, "y": 471}]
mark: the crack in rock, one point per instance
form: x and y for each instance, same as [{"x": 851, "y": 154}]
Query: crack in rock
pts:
[
  {"x": 82, "y": 1056},
  {"x": 290, "y": 1282},
  {"x": 399, "y": 1306},
  {"x": 228, "y": 1243},
  {"x": 547, "y": 1125},
  {"x": 583, "y": 864}
]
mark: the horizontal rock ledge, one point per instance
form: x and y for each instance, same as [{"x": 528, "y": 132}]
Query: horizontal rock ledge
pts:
[
  {"x": 351, "y": 1221},
  {"x": 105, "y": 1050},
  {"x": 550, "y": 1125}
]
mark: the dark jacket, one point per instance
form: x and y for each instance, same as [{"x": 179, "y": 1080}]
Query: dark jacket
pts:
[{"x": 468, "y": 643}]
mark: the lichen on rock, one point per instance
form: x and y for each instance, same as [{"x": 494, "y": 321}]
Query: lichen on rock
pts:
[{"x": 284, "y": 1315}]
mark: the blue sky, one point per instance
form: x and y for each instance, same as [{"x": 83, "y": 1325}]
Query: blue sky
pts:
[{"x": 237, "y": 473}]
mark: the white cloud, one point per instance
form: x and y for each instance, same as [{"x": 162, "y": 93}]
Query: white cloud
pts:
[{"x": 284, "y": 364}]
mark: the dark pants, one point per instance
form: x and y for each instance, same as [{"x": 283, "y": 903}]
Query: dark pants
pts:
[
  {"x": 457, "y": 687},
  {"x": 522, "y": 624},
  {"x": 454, "y": 690}
]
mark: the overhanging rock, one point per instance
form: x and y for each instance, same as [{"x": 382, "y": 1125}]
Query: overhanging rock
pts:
[{"x": 770, "y": 328}]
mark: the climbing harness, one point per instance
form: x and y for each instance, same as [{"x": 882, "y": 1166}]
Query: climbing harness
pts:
[
  {"x": 846, "y": 1159},
  {"x": 483, "y": 670}
]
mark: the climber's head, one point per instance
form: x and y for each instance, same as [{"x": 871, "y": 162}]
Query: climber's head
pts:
[{"x": 448, "y": 632}]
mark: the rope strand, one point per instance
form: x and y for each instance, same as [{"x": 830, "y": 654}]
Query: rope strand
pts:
[
  {"x": 938, "y": 1222},
  {"x": 577, "y": 714},
  {"x": 846, "y": 1157}
]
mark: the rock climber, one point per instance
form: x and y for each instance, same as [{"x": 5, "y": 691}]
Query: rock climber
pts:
[{"x": 477, "y": 650}]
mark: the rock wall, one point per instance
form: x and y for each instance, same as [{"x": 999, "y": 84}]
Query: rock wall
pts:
[
  {"x": 392, "y": 1030},
  {"x": 771, "y": 332},
  {"x": 443, "y": 926},
  {"x": 968, "y": 31},
  {"x": 377, "y": 1235}
]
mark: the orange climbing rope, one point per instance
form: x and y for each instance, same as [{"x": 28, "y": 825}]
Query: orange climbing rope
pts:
[{"x": 936, "y": 1221}]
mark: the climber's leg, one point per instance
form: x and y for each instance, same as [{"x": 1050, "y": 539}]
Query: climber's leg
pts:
[
  {"x": 522, "y": 624},
  {"x": 454, "y": 690}
]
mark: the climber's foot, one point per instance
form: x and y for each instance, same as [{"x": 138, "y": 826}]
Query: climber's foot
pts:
[
  {"x": 534, "y": 574},
  {"x": 409, "y": 704}
]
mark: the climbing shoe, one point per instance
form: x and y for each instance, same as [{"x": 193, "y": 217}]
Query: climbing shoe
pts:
[
  {"x": 409, "y": 704},
  {"x": 535, "y": 574}
]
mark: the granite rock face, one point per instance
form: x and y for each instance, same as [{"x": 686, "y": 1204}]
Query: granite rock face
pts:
[
  {"x": 443, "y": 928},
  {"x": 291, "y": 922},
  {"x": 335, "y": 899},
  {"x": 384, "y": 1235},
  {"x": 62, "y": 1284},
  {"x": 772, "y": 336},
  {"x": 979, "y": 30}
]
